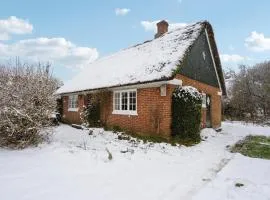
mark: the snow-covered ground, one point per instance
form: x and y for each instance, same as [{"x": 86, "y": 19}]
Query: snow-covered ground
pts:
[{"x": 76, "y": 166}]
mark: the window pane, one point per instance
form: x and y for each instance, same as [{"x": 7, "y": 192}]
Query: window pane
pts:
[
  {"x": 117, "y": 101},
  {"x": 124, "y": 100},
  {"x": 132, "y": 101},
  {"x": 73, "y": 101},
  {"x": 204, "y": 100}
]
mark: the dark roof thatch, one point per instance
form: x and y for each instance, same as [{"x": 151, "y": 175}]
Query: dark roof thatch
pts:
[{"x": 211, "y": 35}]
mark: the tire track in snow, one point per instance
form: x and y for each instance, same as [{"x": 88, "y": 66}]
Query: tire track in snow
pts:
[{"x": 223, "y": 163}]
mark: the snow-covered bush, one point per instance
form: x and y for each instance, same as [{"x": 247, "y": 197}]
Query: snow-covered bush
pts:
[
  {"x": 26, "y": 103},
  {"x": 186, "y": 113}
]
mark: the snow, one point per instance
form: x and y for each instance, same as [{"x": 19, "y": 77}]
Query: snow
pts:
[
  {"x": 150, "y": 61},
  {"x": 253, "y": 173},
  {"x": 75, "y": 165},
  {"x": 188, "y": 90}
]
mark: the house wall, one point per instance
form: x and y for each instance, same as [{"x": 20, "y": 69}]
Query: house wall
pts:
[
  {"x": 215, "y": 99},
  {"x": 198, "y": 65},
  {"x": 72, "y": 117},
  {"x": 154, "y": 111}
]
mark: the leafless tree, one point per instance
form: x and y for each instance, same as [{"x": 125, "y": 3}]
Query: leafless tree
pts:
[
  {"x": 251, "y": 92},
  {"x": 26, "y": 102}
]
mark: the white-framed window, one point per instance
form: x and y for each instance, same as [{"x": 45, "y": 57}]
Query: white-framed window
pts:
[
  {"x": 163, "y": 89},
  {"x": 204, "y": 96},
  {"x": 73, "y": 103},
  {"x": 125, "y": 102}
]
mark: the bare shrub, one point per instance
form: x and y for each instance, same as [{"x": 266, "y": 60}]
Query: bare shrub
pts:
[
  {"x": 26, "y": 103},
  {"x": 250, "y": 99}
]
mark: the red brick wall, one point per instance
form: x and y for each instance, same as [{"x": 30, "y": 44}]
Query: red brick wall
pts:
[
  {"x": 215, "y": 98},
  {"x": 72, "y": 117},
  {"x": 203, "y": 118},
  {"x": 154, "y": 111}
]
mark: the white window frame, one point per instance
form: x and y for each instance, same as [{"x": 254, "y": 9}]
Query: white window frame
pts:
[
  {"x": 73, "y": 106},
  {"x": 204, "y": 100},
  {"x": 125, "y": 112},
  {"x": 163, "y": 90}
]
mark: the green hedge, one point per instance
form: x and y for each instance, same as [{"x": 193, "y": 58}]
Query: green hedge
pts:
[{"x": 186, "y": 113}]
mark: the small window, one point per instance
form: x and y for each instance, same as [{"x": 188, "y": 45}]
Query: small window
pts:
[
  {"x": 163, "y": 89},
  {"x": 73, "y": 103},
  {"x": 117, "y": 101},
  {"x": 125, "y": 102},
  {"x": 204, "y": 100},
  {"x": 132, "y": 101}
]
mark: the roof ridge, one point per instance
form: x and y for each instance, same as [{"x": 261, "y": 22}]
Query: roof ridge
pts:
[
  {"x": 148, "y": 61},
  {"x": 138, "y": 44}
]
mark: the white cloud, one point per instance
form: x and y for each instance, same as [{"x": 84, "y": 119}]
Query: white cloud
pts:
[
  {"x": 122, "y": 11},
  {"x": 232, "y": 58},
  {"x": 14, "y": 25},
  {"x": 59, "y": 51},
  {"x": 257, "y": 42},
  {"x": 152, "y": 25},
  {"x": 149, "y": 25}
]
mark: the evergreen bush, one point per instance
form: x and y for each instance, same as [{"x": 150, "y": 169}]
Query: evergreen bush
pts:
[
  {"x": 90, "y": 115},
  {"x": 186, "y": 114}
]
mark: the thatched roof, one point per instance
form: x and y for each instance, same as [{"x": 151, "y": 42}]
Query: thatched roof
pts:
[{"x": 150, "y": 61}]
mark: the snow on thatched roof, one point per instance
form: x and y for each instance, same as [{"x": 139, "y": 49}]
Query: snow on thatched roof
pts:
[{"x": 150, "y": 61}]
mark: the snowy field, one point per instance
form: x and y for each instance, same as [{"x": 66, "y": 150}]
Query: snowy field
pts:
[{"x": 76, "y": 166}]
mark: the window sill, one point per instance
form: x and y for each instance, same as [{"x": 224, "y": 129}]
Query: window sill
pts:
[
  {"x": 73, "y": 109},
  {"x": 124, "y": 112}
]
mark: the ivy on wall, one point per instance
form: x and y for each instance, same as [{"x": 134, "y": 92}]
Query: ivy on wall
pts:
[
  {"x": 186, "y": 114},
  {"x": 91, "y": 114}
]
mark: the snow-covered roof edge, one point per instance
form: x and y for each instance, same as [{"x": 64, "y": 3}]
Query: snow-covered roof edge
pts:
[
  {"x": 204, "y": 25},
  {"x": 217, "y": 61}
]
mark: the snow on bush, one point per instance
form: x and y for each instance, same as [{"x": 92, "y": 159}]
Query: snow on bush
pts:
[
  {"x": 186, "y": 113},
  {"x": 186, "y": 91},
  {"x": 26, "y": 103}
]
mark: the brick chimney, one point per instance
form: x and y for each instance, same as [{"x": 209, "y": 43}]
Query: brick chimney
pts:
[{"x": 162, "y": 27}]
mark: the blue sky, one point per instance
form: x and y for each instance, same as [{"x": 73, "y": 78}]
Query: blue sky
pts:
[{"x": 71, "y": 34}]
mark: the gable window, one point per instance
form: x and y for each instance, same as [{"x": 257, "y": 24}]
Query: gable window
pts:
[
  {"x": 125, "y": 102},
  {"x": 203, "y": 55},
  {"x": 73, "y": 103}
]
